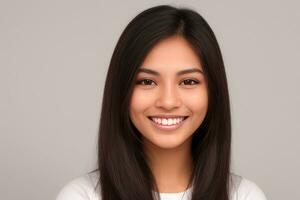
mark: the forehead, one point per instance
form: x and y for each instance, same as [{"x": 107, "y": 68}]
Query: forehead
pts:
[{"x": 173, "y": 53}]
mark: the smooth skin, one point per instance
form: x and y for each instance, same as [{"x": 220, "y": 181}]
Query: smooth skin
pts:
[{"x": 168, "y": 93}]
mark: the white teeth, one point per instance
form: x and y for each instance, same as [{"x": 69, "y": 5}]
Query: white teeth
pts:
[
  {"x": 167, "y": 121},
  {"x": 164, "y": 121}
]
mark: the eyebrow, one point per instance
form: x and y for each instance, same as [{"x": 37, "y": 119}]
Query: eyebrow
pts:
[{"x": 186, "y": 71}]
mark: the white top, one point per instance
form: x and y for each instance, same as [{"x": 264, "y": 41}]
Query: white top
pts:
[{"x": 83, "y": 188}]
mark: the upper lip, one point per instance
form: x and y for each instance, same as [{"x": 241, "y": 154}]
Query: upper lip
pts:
[{"x": 168, "y": 116}]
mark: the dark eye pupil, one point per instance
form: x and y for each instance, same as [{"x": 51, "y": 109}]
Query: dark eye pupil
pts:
[
  {"x": 188, "y": 82},
  {"x": 147, "y": 82}
]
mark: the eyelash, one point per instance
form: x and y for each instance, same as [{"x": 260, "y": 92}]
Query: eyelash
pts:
[{"x": 141, "y": 81}]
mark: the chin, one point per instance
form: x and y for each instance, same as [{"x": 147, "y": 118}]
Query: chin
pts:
[{"x": 166, "y": 143}]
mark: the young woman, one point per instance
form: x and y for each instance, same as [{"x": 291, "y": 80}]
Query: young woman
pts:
[{"x": 165, "y": 128}]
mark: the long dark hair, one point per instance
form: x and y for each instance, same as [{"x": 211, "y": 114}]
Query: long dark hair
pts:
[{"x": 124, "y": 172}]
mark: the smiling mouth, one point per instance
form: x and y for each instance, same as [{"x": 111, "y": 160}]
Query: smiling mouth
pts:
[
  {"x": 167, "y": 123},
  {"x": 153, "y": 117}
]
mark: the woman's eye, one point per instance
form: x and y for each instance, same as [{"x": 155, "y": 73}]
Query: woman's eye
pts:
[
  {"x": 190, "y": 82},
  {"x": 145, "y": 82},
  {"x": 150, "y": 82}
]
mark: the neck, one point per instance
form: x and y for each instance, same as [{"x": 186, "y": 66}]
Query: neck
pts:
[{"x": 171, "y": 168}]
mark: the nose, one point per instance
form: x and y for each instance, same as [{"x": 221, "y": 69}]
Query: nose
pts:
[{"x": 168, "y": 98}]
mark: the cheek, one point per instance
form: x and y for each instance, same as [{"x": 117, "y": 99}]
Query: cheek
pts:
[
  {"x": 197, "y": 102},
  {"x": 140, "y": 101}
]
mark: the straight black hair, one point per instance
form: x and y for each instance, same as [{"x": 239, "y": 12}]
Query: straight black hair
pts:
[{"x": 124, "y": 172}]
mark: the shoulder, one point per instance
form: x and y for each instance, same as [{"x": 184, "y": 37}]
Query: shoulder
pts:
[
  {"x": 244, "y": 189},
  {"x": 86, "y": 188},
  {"x": 81, "y": 188}
]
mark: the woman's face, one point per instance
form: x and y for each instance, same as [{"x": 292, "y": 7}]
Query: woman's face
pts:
[{"x": 170, "y": 99}]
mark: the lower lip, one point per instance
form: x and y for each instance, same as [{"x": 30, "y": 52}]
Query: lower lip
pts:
[{"x": 167, "y": 127}]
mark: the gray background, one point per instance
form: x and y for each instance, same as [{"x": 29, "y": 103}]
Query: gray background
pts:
[{"x": 53, "y": 60}]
